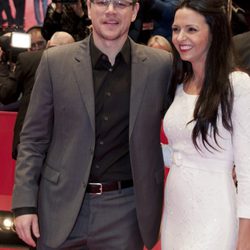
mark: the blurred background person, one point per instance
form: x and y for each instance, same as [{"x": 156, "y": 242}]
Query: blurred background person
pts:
[
  {"x": 239, "y": 23},
  {"x": 245, "y": 5},
  {"x": 37, "y": 9},
  {"x": 159, "y": 42},
  {"x": 137, "y": 30},
  {"x": 156, "y": 18},
  {"x": 37, "y": 40},
  {"x": 241, "y": 40},
  {"x": 5, "y": 8},
  {"x": 68, "y": 17},
  {"x": 162, "y": 13},
  {"x": 20, "y": 10},
  {"x": 60, "y": 38}
]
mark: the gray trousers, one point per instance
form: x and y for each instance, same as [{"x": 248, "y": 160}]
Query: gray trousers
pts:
[{"x": 105, "y": 222}]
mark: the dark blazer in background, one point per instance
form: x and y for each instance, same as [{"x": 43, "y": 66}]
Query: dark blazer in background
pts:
[
  {"x": 242, "y": 47},
  {"x": 4, "y": 75}
]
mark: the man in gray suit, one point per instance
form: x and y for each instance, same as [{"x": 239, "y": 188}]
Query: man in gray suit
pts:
[{"x": 89, "y": 172}]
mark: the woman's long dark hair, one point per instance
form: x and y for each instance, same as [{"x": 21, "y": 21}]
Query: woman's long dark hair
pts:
[{"x": 216, "y": 92}]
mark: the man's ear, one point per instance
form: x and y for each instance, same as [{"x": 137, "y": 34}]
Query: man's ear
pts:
[
  {"x": 135, "y": 11},
  {"x": 89, "y": 8}
]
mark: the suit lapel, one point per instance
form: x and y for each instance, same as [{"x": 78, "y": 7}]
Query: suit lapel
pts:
[
  {"x": 138, "y": 82},
  {"x": 83, "y": 73}
]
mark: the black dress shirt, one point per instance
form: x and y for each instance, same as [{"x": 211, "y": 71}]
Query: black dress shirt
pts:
[{"x": 112, "y": 97}]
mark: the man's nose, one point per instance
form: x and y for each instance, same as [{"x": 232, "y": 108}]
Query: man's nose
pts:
[{"x": 111, "y": 6}]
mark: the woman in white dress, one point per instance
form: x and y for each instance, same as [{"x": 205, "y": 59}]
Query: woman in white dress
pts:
[{"x": 208, "y": 129}]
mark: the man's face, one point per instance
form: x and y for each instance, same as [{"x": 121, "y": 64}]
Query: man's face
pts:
[
  {"x": 37, "y": 40},
  {"x": 111, "y": 21}
]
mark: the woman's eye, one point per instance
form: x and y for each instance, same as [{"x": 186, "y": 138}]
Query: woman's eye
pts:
[
  {"x": 191, "y": 29},
  {"x": 175, "y": 29}
]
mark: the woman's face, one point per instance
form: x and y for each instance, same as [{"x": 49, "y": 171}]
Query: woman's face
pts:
[{"x": 191, "y": 36}]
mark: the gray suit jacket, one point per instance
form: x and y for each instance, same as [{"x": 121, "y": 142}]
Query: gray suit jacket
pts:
[{"x": 58, "y": 139}]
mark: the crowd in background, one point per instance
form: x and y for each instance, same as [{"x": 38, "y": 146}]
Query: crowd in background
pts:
[{"x": 154, "y": 18}]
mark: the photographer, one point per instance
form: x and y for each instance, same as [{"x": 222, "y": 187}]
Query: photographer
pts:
[
  {"x": 66, "y": 15},
  {"x": 6, "y": 67}
]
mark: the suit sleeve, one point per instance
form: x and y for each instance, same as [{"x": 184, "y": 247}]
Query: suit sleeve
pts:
[{"x": 34, "y": 140}]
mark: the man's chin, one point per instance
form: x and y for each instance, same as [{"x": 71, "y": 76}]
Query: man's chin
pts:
[{"x": 112, "y": 36}]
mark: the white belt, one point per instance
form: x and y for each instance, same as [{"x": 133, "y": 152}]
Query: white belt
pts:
[
  {"x": 207, "y": 164},
  {"x": 177, "y": 159}
]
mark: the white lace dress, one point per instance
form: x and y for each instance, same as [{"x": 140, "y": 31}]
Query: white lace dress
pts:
[{"x": 202, "y": 206}]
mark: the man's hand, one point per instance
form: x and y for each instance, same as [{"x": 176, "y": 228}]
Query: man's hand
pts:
[{"x": 27, "y": 227}]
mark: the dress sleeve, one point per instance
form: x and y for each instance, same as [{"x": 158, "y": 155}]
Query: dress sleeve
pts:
[
  {"x": 241, "y": 140},
  {"x": 167, "y": 153}
]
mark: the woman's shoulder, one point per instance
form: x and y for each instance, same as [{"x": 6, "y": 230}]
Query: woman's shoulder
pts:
[
  {"x": 240, "y": 82},
  {"x": 239, "y": 74}
]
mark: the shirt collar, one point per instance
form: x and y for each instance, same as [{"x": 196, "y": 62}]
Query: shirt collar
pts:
[{"x": 96, "y": 54}]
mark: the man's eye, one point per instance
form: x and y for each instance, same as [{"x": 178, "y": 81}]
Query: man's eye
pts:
[
  {"x": 121, "y": 4},
  {"x": 102, "y": 2}
]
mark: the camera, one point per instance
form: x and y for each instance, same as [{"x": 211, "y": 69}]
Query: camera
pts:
[
  {"x": 20, "y": 40},
  {"x": 14, "y": 44}
]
